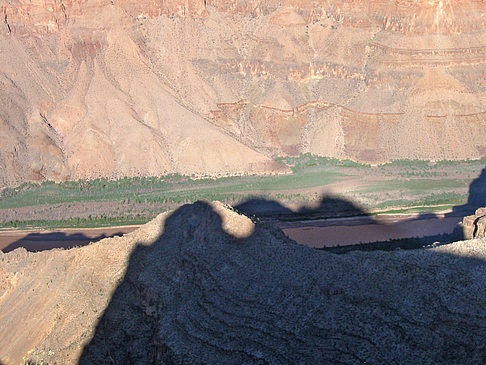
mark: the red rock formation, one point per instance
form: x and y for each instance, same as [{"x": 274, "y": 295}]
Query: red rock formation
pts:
[{"x": 367, "y": 80}]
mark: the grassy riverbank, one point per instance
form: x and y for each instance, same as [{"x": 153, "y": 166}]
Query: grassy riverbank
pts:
[{"x": 399, "y": 186}]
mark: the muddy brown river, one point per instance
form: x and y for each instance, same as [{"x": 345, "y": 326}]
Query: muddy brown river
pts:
[
  {"x": 355, "y": 230},
  {"x": 316, "y": 233}
]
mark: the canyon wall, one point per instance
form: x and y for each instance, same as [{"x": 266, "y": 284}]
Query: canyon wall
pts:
[{"x": 215, "y": 88}]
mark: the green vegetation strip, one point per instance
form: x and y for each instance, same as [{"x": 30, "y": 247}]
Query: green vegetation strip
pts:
[
  {"x": 424, "y": 209},
  {"x": 410, "y": 185},
  {"x": 96, "y": 222},
  {"x": 431, "y": 200},
  {"x": 167, "y": 189}
]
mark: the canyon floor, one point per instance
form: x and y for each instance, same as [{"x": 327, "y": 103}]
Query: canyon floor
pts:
[
  {"x": 316, "y": 188},
  {"x": 321, "y": 203}
]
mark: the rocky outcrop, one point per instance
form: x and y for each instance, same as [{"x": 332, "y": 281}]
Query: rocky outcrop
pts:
[
  {"x": 203, "y": 284},
  {"x": 474, "y": 226}
]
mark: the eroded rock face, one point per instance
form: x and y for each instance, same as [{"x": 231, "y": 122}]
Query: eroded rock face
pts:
[
  {"x": 474, "y": 226},
  {"x": 204, "y": 284},
  {"x": 218, "y": 87}
]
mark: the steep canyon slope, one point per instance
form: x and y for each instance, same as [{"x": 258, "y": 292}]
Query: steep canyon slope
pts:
[{"x": 218, "y": 87}]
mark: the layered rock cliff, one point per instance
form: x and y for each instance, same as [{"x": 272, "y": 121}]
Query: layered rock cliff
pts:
[
  {"x": 218, "y": 87},
  {"x": 204, "y": 284}
]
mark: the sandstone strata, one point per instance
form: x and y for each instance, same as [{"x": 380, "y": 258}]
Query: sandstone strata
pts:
[
  {"x": 221, "y": 87},
  {"x": 204, "y": 284}
]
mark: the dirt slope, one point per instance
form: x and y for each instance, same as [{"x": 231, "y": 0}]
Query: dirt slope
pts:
[
  {"x": 218, "y": 87},
  {"x": 203, "y": 284}
]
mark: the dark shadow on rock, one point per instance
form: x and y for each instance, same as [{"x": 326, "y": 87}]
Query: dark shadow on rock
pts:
[
  {"x": 476, "y": 196},
  {"x": 35, "y": 242},
  {"x": 262, "y": 207},
  {"x": 199, "y": 295},
  {"x": 332, "y": 207},
  {"x": 328, "y": 207},
  {"x": 118, "y": 338},
  {"x": 411, "y": 243}
]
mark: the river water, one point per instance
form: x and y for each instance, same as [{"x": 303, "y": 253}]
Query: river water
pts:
[
  {"x": 315, "y": 233},
  {"x": 355, "y": 230}
]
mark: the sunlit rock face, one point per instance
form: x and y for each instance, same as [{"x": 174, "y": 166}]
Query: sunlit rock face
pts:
[
  {"x": 221, "y": 87},
  {"x": 474, "y": 226}
]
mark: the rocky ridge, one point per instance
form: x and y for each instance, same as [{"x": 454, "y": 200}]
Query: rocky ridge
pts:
[{"x": 203, "y": 284}]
